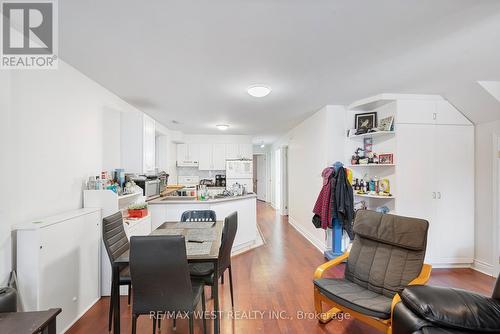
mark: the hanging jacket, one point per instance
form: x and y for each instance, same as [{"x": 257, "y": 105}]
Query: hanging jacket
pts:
[
  {"x": 342, "y": 200},
  {"x": 322, "y": 209}
]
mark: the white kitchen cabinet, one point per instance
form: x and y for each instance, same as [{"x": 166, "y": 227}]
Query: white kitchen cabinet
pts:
[
  {"x": 212, "y": 157},
  {"x": 246, "y": 151},
  {"x": 149, "y": 144},
  {"x": 205, "y": 157},
  {"x": 138, "y": 227},
  {"x": 232, "y": 151},
  {"x": 219, "y": 157},
  {"x": 239, "y": 151},
  {"x": 435, "y": 181},
  {"x": 58, "y": 261},
  {"x": 446, "y": 114},
  {"x": 138, "y": 142},
  {"x": 188, "y": 155}
]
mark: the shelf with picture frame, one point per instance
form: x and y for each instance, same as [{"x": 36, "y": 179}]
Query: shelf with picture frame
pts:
[{"x": 382, "y": 141}]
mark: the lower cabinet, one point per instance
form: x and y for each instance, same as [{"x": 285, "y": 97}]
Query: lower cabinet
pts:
[
  {"x": 58, "y": 263},
  {"x": 435, "y": 181}
]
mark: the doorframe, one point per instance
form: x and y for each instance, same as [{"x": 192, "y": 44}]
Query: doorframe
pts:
[{"x": 496, "y": 206}]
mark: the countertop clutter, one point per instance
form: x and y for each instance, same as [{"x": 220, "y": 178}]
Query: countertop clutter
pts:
[{"x": 194, "y": 200}]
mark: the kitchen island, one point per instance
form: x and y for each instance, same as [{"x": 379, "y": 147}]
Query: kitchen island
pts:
[{"x": 171, "y": 209}]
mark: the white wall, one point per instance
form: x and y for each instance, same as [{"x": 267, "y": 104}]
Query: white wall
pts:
[
  {"x": 485, "y": 229},
  {"x": 313, "y": 145},
  {"x": 53, "y": 138}
]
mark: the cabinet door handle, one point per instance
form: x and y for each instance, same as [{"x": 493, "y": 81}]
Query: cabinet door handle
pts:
[
  {"x": 434, "y": 116},
  {"x": 439, "y": 195},
  {"x": 433, "y": 195}
]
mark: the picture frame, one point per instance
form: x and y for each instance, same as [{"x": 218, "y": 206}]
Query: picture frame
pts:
[
  {"x": 385, "y": 124},
  {"x": 386, "y": 159},
  {"x": 365, "y": 121}
]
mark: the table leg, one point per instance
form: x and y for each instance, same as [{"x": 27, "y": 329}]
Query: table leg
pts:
[
  {"x": 116, "y": 306},
  {"x": 216, "y": 298}
]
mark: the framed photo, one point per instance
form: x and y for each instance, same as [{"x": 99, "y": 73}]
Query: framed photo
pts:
[
  {"x": 386, "y": 159},
  {"x": 385, "y": 123},
  {"x": 368, "y": 144},
  {"x": 365, "y": 121}
]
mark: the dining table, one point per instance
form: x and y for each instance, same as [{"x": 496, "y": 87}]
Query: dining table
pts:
[{"x": 203, "y": 240}]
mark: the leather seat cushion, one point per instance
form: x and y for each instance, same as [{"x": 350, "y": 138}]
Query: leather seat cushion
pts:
[
  {"x": 453, "y": 308},
  {"x": 355, "y": 297},
  {"x": 201, "y": 269}
]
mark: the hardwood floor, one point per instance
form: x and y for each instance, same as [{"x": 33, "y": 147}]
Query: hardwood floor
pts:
[{"x": 276, "y": 278}]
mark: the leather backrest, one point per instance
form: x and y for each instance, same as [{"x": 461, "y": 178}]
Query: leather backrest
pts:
[
  {"x": 228, "y": 235},
  {"x": 387, "y": 252},
  {"x": 198, "y": 216},
  {"x": 114, "y": 237},
  {"x": 160, "y": 274},
  {"x": 496, "y": 289}
]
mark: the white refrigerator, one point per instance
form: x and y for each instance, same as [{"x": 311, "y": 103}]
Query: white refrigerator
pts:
[{"x": 239, "y": 171}]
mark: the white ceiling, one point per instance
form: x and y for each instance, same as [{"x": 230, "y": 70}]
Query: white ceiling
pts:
[{"x": 191, "y": 61}]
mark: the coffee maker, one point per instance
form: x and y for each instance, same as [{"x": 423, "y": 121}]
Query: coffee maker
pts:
[{"x": 220, "y": 180}]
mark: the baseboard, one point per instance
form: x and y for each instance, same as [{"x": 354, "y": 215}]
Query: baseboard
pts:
[
  {"x": 80, "y": 315},
  {"x": 483, "y": 267},
  {"x": 319, "y": 244},
  {"x": 259, "y": 241}
]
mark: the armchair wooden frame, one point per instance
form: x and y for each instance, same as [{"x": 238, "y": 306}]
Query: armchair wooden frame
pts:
[{"x": 384, "y": 325}]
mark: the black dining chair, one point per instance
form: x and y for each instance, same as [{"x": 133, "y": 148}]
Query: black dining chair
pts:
[
  {"x": 204, "y": 272},
  {"x": 199, "y": 216},
  {"x": 116, "y": 243},
  {"x": 160, "y": 275}
]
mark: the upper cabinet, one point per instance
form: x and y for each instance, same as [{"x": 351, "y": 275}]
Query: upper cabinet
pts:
[
  {"x": 188, "y": 155},
  {"x": 212, "y": 157},
  {"x": 138, "y": 142},
  {"x": 436, "y": 111},
  {"x": 239, "y": 151}
]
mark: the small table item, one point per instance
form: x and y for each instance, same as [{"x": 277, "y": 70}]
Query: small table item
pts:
[{"x": 29, "y": 322}]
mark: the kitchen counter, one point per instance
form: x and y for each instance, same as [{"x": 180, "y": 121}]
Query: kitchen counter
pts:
[
  {"x": 163, "y": 200},
  {"x": 163, "y": 210}
]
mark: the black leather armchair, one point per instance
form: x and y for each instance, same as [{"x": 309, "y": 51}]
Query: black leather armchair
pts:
[{"x": 437, "y": 310}]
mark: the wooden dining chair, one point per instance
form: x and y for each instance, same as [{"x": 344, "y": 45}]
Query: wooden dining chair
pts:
[{"x": 116, "y": 243}]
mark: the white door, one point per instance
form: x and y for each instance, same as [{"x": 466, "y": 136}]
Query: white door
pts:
[
  {"x": 455, "y": 193},
  {"x": 416, "y": 112},
  {"x": 205, "y": 157},
  {"x": 415, "y": 186},
  {"x": 448, "y": 115},
  {"x": 261, "y": 177},
  {"x": 277, "y": 177},
  {"x": 219, "y": 157}
]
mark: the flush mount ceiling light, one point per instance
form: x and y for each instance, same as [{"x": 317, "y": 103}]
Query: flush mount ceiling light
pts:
[
  {"x": 222, "y": 127},
  {"x": 262, "y": 145},
  {"x": 259, "y": 90}
]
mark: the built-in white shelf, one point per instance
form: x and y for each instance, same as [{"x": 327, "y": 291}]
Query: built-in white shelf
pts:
[
  {"x": 374, "y": 196},
  {"x": 373, "y": 134},
  {"x": 372, "y": 165}
]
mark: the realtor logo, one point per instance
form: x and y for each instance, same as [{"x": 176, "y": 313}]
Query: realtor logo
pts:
[{"x": 29, "y": 35}]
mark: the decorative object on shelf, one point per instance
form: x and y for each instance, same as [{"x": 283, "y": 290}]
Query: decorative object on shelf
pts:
[
  {"x": 386, "y": 123},
  {"x": 368, "y": 144},
  {"x": 365, "y": 122},
  {"x": 387, "y": 158},
  {"x": 384, "y": 186},
  {"x": 139, "y": 210}
]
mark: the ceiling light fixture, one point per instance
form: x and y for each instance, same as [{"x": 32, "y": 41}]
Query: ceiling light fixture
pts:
[
  {"x": 259, "y": 90},
  {"x": 222, "y": 127},
  {"x": 262, "y": 145}
]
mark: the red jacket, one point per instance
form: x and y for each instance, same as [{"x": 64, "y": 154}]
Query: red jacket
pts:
[{"x": 322, "y": 208}]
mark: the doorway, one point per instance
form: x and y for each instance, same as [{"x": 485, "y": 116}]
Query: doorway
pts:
[
  {"x": 260, "y": 176},
  {"x": 277, "y": 178},
  {"x": 281, "y": 180}
]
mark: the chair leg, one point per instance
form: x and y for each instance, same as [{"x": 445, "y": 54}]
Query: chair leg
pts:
[
  {"x": 203, "y": 310},
  {"x": 222, "y": 277},
  {"x": 154, "y": 324},
  {"x": 212, "y": 291},
  {"x": 174, "y": 326},
  {"x": 231, "y": 286},
  {"x": 191, "y": 323},
  {"x": 129, "y": 293},
  {"x": 110, "y": 321},
  {"x": 159, "y": 324},
  {"x": 134, "y": 323}
]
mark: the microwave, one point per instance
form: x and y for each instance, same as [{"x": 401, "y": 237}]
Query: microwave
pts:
[{"x": 150, "y": 188}]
